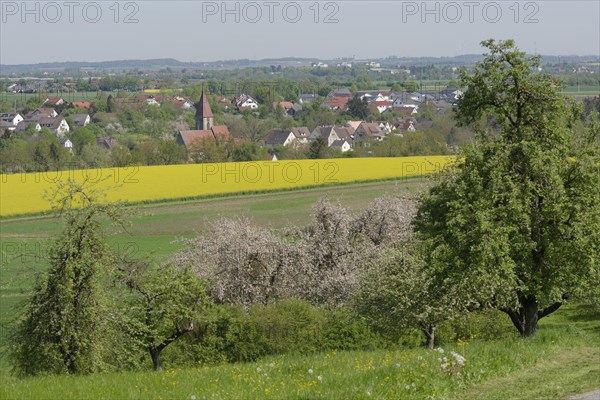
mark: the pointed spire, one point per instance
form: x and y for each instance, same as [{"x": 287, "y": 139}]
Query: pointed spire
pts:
[{"x": 203, "y": 109}]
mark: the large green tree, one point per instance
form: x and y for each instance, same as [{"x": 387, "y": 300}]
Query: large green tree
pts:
[{"x": 518, "y": 216}]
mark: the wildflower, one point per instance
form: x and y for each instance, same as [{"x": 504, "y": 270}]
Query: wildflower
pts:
[
  {"x": 460, "y": 360},
  {"x": 397, "y": 365},
  {"x": 193, "y": 397},
  {"x": 444, "y": 366},
  {"x": 265, "y": 374},
  {"x": 272, "y": 365},
  {"x": 440, "y": 350},
  {"x": 310, "y": 371},
  {"x": 368, "y": 393},
  {"x": 419, "y": 358},
  {"x": 258, "y": 369},
  {"x": 407, "y": 387},
  {"x": 319, "y": 378}
]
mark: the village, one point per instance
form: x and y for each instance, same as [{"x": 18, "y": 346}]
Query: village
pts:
[{"x": 386, "y": 114}]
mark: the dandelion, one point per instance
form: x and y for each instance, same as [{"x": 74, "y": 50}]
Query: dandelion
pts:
[
  {"x": 319, "y": 378},
  {"x": 407, "y": 387},
  {"x": 193, "y": 397},
  {"x": 397, "y": 365},
  {"x": 368, "y": 393},
  {"x": 419, "y": 358},
  {"x": 265, "y": 374},
  {"x": 272, "y": 365},
  {"x": 440, "y": 350},
  {"x": 258, "y": 369},
  {"x": 310, "y": 371}
]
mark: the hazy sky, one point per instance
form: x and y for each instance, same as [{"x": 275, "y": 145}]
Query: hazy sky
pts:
[{"x": 67, "y": 30}]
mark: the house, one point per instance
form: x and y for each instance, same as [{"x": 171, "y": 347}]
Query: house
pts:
[
  {"x": 108, "y": 143},
  {"x": 152, "y": 101},
  {"x": 183, "y": 102},
  {"x": 6, "y": 126},
  {"x": 343, "y": 93},
  {"x": 285, "y": 137},
  {"x": 23, "y": 125},
  {"x": 286, "y": 105},
  {"x": 11, "y": 118},
  {"x": 384, "y": 126},
  {"x": 296, "y": 108},
  {"x": 54, "y": 101},
  {"x": 368, "y": 131},
  {"x": 307, "y": 98},
  {"x": 177, "y": 101},
  {"x": 244, "y": 102},
  {"x": 56, "y": 124},
  {"x": 406, "y": 111},
  {"x": 382, "y": 105},
  {"x": 336, "y": 103},
  {"x": 80, "y": 119},
  {"x": 404, "y": 99},
  {"x": 66, "y": 143},
  {"x": 301, "y": 133},
  {"x": 331, "y": 133},
  {"x": 47, "y": 112},
  {"x": 82, "y": 104},
  {"x": 450, "y": 95},
  {"x": 405, "y": 125},
  {"x": 341, "y": 145},
  {"x": 279, "y": 138}
]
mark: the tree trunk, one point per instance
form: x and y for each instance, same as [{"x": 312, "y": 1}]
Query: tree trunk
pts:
[
  {"x": 155, "y": 354},
  {"x": 527, "y": 317},
  {"x": 429, "y": 332}
]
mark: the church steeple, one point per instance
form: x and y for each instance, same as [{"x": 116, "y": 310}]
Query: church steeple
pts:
[{"x": 204, "y": 115}]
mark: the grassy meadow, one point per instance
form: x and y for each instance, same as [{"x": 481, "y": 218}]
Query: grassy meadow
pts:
[{"x": 561, "y": 360}]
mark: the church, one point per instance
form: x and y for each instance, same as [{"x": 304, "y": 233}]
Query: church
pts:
[{"x": 205, "y": 127}]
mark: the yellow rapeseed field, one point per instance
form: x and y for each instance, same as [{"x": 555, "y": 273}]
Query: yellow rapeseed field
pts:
[{"x": 25, "y": 193}]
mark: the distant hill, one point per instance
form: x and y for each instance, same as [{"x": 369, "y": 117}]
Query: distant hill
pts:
[{"x": 162, "y": 63}]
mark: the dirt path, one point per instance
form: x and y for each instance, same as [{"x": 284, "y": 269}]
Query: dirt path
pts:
[{"x": 593, "y": 395}]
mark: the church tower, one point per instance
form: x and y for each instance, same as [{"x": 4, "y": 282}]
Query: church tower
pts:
[{"x": 204, "y": 115}]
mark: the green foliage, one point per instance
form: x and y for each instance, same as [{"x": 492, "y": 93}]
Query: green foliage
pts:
[
  {"x": 64, "y": 324},
  {"x": 358, "y": 107},
  {"x": 519, "y": 215},
  {"x": 164, "y": 303},
  {"x": 248, "y": 151},
  {"x": 231, "y": 334}
]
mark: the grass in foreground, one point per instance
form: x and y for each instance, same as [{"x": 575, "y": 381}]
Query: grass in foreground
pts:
[{"x": 561, "y": 360}]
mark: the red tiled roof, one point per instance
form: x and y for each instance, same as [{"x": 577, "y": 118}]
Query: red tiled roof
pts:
[{"x": 82, "y": 104}]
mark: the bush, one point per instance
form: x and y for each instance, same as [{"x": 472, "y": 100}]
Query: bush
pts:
[{"x": 232, "y": 334}]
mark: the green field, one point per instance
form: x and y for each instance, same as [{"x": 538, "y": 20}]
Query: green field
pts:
[
  {"x": 561, "y": 360},
  {"x": 582, "y": 90}
]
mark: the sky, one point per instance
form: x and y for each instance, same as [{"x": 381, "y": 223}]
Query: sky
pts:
[{"x": 69, "y": 30}]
